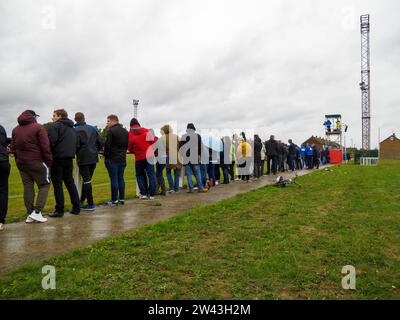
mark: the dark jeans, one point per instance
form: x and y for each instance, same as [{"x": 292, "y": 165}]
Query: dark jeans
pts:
[
  {"x": 272, "y": 164},
  {"x": 160, "y": 183},
  {"x": 61, "y": 171},
  {"x": 232, "y": 170},
  {"x": 5, "y": 169},
  {"x": 309, "y": 161},
  {"x": 211, "y": 171},
  {"x": 86, "y": 172},
  {"x": 257, "y": 168},
  {"x": 225, "y": 171},
  {"x": 116, "y": 172},
  {"x": 292, "y": 161},
  {"x": 145, "y": 178},
  {"x": 262, "y": 167}
]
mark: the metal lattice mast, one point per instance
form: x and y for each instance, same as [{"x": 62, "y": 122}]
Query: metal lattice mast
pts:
[{"x": 365, "y": 84}]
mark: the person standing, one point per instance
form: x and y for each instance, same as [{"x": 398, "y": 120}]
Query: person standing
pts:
[
  {"x": 89, "y": 143},
  {"x": 303, "y": 156},
  {"x": 160, "y": 156},
  {"x": 245, "y": 158},
  {"x": 225, "y": 156},
  {"x": 140, "y": 144},
  {"x": 292, "y": 155},
  {"x": 62, "y": 137},
  {"x": 115, "y": 149},
  {"x": 309, "y": 156},
  {"x": 31, "y": 147},
  {"x": 174, "y": 162},
  {"x": 316, "y": 156},
  {"x": 191, "y": 147},
  {"x": 5, "y": 169},
  {"x": 257, "y": 156},
  {"x": 263, "y": 158},
  {"x": 272, "y": 155}
]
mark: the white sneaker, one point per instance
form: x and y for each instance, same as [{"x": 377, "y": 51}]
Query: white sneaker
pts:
[
  {"x": 37, "y": 217},
  {"x": 151, "y": 198},
  {"x": 29, "y": 220},
  {"x": 143, "y": 197},
  {"x": 1, "y": 227}
]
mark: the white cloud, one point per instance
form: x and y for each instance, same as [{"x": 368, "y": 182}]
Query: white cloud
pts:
[{"x": 275, "y": 66}]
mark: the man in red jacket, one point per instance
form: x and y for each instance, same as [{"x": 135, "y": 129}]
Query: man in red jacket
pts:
[
  {"x": 140, "y": 144},
  {"x": 31, "y": 148}
]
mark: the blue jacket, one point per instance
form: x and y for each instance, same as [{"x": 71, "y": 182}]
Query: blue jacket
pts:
[
  {"x": 309, "y": 151},
  {"x": 302, "y": 151}
]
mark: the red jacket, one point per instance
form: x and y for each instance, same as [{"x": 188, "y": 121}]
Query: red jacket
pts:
[
  {"x": 140, "y": 141},
  {"x": 30, "y": 142}
]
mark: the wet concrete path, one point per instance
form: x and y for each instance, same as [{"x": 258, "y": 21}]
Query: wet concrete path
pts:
[{"x": 22, "y": 242}]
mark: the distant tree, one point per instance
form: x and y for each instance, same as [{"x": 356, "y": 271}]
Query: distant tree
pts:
[
  {"x": 47, "y": 125},
  {"x": 103, "y": 133}
]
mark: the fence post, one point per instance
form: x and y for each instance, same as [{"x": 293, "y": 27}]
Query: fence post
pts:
[{"x": 78, "y": 183}]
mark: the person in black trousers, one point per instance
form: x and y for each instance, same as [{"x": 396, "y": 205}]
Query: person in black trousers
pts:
[
  {"x": 89, "y": 143},
  {"x": 63, "y": 144},
  {"x": 271, "y": 147},
  {"x": 5, "y": 169},
  {"x": 115, "y": 149}
]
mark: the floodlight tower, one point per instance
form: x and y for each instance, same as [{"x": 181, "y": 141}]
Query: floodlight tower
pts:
[
  {"x": 365, "y": 84},
  {"x": 135, "y": 107}
]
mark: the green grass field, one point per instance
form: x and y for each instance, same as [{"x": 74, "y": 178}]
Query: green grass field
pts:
[
  {"x": 270, "y": 243},
  {"x": 101, "y": 190}
]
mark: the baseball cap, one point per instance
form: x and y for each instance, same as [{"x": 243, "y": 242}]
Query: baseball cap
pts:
[{"x": 32, "y": 112}]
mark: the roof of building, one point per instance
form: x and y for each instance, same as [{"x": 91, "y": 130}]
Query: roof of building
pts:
[
  {"x": 391, "y": 138},
  {"x": 322, "y": 141}
]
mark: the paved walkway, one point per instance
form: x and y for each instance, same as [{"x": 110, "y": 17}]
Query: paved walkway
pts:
[{"x": 22, "y": 242}]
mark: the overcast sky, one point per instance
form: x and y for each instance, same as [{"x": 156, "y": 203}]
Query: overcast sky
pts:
[{"x": 275, "y": 66}]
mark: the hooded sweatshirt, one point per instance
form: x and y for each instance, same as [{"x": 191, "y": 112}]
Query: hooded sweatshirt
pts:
[
  {"x": 30, "y": 142},
  {"x": 63, "y": 139}
]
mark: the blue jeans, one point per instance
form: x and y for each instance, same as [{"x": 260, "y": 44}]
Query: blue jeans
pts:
[
  {"x": 145, "y": 177},
  {"x": 173, "y": 182},
  {"x": 116, "y": 172},
  {"x": 191, "y": 169},
  {"x": 203, "y": 171},
  {"x": 292, "y": 161},
  {"x": 211, "y": 171}
]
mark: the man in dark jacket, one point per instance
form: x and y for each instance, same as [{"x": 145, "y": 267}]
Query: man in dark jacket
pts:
[
  {"x": 63, "y": 142},
  {"x": 89, "y": 143},
  {"x": 257, "y": 156},
  {"x": 292, "y": 155},
  {"x": 5, "y": 169},
  {"x": 31, "y": 148},
  {"x": 271, "y": 147},
  {"x": 191, "y": 147},
  {"x": 115, "y": 159}
]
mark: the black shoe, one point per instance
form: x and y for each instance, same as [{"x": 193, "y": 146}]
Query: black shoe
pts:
[
  {"x": 121, "y": 202},
  {"x": 56, "y": 214},
  {"x": 75, "y": 211}
]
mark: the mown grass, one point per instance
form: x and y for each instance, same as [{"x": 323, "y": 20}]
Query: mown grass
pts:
[{"x": 267, "y": 244}]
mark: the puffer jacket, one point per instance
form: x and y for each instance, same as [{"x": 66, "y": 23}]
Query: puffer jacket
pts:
[
  {"x": 171, "y": 145},
  {"x": 30, "y": 142}
]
